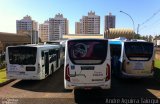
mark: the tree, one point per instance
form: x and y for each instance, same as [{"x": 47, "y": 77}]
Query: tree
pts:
[
  {"x": 150, "y": 38},
  {"x": 137, "y": 36}
]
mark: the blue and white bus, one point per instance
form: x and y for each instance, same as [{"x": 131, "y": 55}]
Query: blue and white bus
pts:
[{"x": 132, "y": 58}]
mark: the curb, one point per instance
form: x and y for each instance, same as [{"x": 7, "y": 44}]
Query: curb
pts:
[{"x": 6, "y": 82}]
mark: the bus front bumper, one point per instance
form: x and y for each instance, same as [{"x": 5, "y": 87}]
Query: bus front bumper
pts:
[
  {"x": 24, "y": 77},
  {"x": 69, "y": 85},
  {"x": 126, "y": 75}
]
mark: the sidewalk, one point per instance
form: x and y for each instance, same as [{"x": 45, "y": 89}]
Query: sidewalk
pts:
[{"x": 6, "y": 82}]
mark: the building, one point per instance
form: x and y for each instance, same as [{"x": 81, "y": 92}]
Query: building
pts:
[
  {"x": 112, "y": 33},
  {"x": 77, "y": 36},
  {"x": 156, "y": 41},
  {"x": 8, "y": 39},
  {"x": 89, "y": 24},
  {"x": 77, "y": 28},
  {"x": 44, "y": 31},
  {"x": 58, "y": 26},
  {"x": 27, "y": 26},
  {"x": 109, "y": 21}
]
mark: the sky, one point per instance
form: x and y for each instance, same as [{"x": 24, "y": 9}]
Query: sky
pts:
[{"x": 143, "y": 12}]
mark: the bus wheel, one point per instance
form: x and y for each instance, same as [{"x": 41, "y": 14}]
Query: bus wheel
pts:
[{"x": 52, "y": 69}]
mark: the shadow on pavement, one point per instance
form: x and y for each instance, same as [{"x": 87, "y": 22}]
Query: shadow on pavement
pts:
[
  {"x": 53, "y": 83},
  {"x": 121, "y": 89},
  {"x": 157, "y": 73}
]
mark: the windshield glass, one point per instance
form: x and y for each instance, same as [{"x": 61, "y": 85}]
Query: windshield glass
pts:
[
  {"x": 22, "y": 55},
  {"x": 87, "y": 51},
  {"x": 139, "y": 50}
]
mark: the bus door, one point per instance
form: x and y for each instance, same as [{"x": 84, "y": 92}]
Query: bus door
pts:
[
  {"x": 57, "y": 58},
  {"x": 46, "y": 61},
  {"x": 115, "y": 54}
]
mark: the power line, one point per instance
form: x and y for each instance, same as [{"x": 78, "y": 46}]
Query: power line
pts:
[
  {"x": 152, "y": 25},
  {"x": 140, "y": 25},
  {"x": 154, "y": 14}
]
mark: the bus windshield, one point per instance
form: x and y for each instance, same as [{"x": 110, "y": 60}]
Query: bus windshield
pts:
[
  {"x": 138, "y": 50},
  {"x": 22, "y": 55},
  {"x": 87, "y": 51}
]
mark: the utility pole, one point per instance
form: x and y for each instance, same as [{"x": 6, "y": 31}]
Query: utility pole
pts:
[{"x": 138, "y": 28}]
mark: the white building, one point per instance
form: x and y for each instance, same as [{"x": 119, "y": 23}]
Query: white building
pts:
[
  {"x": 27, "y": 26},
  {"x": 89, "y": 24},
  {"x": 44, "y": 31},
  {"x": 58, "y": 26},
  {"x": 156, "y": 41}
]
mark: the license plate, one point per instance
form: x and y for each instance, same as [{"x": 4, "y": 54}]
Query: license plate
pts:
[
  {"x": 87, "y": 67},
  {"x": 139, "y": 66}
]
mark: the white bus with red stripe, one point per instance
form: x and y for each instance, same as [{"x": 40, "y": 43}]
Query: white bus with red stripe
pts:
[{"x": 87, "y": 64}]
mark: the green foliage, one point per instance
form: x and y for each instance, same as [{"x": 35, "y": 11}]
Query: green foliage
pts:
[
  {"x": 137, "y": 36},
  {"x": 157, "y": 64},
  {"x": 147, "y": 37}
]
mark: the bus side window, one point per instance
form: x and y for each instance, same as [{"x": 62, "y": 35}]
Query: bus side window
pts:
[
  {"x": 51, "y": 52},
  {"x": 53, "y": 58},
  {"x": 42, "y": 54}
]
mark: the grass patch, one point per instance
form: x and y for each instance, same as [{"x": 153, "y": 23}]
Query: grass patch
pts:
[
  {"x": 3, "y": 75},
  {"x": 157, "y": 69},
  {"x": 157, "y": 64}
]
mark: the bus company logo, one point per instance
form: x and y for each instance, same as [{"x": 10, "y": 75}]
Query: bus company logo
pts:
[{"x": 80, "y": 50}]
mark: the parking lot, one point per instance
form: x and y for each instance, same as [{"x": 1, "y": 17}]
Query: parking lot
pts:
[{"x": 51, "y": 90}]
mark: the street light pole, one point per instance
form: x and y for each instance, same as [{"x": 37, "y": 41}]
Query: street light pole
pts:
[{"x": 131, "y": 19}]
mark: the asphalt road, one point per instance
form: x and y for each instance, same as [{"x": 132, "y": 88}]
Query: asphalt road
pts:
[{"x": 51, "y": 91}]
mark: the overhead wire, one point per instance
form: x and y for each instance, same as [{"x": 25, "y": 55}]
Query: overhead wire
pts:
[
  {"x": 150, "y": 25},
  {"x": 154, "y": 14},
  {"x": 142, "y": 28}
]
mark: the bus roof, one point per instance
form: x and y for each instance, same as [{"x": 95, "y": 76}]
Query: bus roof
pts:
[
  {"x": 123, "y": 39},
  {"x": 138, "y": 40},
  {"x": 56, "y": 42},
  {"x": 86, "y": 39},
  {"x": 115, "y": 42},
  {"x": 36, "y": 45}
]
